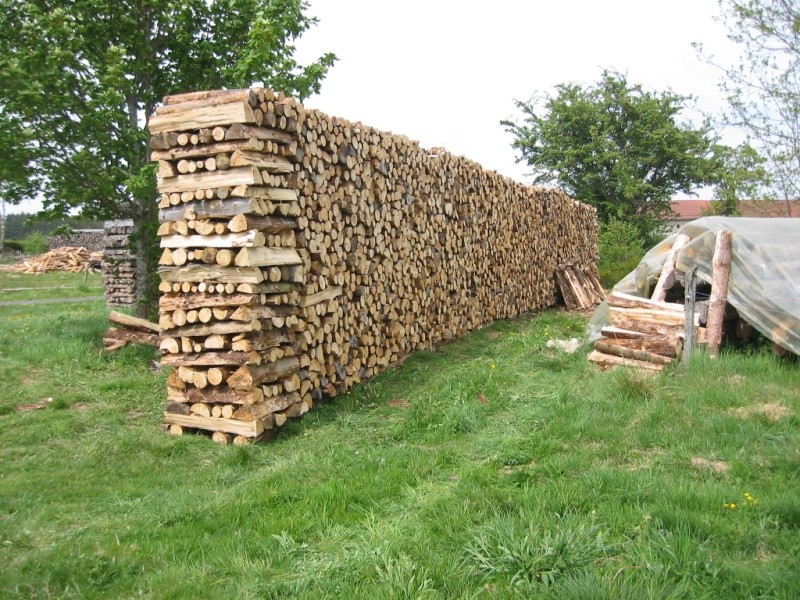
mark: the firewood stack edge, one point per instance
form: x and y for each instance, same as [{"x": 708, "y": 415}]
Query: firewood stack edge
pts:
[
  {"x": 303, "y": 254},
  {"x": 119, "y": 263}
]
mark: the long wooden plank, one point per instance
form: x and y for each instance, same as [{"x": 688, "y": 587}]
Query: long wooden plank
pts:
[
  {"x": 189, "y": 301},
  {"x": 267, "y": 257},
  {"x": 273, "y": 164},
  {"x": 228, "y": 240},
  {"x": 212, "y": 149},
  {"x": 211, "y": 180},
  {"x": 211, "y": 359},
  {"x": 240, "y": 132},
  {"x": 199, "y": 273},
  {"x": 202, "y": 116},
  {"x": 235, "y": 426},
  {"x": 218, "y": 328},
  {"x": 209, "y": 209}
]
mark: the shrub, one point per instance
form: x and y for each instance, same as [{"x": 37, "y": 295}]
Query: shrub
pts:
[
  {"x": 14, "y": 245},
  {"x": 34, "y": 243},
  {"x": 621, "y": 249}
]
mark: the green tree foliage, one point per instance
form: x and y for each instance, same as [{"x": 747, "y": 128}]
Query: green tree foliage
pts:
[
  {"x": 79, "y": 78},
  {"x": 621, "y": 248},
  {"x": 763, "y": 90},
  {"x": 742, "y": 176},
  {"x": 616, "y": 146}
]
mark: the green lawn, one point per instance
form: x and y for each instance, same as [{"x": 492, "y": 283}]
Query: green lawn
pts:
[
  {"x": 492, "y": 468},
  {"x": 20, "y": 286}
]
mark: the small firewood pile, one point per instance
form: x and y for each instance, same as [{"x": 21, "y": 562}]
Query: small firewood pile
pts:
[
  {"x": 580, "y": 289},
  {"x": 72, "y": 259},
  {"x": 129, "y": 330}
]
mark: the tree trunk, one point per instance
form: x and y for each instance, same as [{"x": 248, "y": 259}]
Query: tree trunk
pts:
[{"x": 146, "y": 248}]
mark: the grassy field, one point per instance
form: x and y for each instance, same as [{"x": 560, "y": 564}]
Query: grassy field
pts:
[
  {"x": 491, "y": 468},
  {"x": 19, "y": 286}
]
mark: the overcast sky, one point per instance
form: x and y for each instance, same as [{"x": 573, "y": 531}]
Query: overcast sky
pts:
[{"x": 446, "y": 72}]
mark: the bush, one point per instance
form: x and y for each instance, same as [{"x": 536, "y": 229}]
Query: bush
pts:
[
  {"x": 14, "y": 245},
  {"x": 34, "y": 243},
  {"x": 621, "y": 249}
]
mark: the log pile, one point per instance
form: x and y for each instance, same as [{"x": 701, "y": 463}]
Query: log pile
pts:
[
  {"x": 580, "y": 290},
  {"x": 119, "y": 264},
  {"x": 303, "y": 253},
  {"x": 130, "y": 330},
  {"x": 72, "y": 259},
  {"x": 642, "y": 333}
]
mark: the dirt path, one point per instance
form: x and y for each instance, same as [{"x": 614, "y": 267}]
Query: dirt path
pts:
[{"x": 50, "y": 301}]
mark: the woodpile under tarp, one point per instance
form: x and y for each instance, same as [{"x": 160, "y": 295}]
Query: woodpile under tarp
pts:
[
  {"x": 71, "y": 259},
  {"x": 303, "y": 254},
  {"x": 729, "y": 277}
]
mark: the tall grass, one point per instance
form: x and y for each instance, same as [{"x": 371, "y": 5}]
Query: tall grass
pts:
[{"x": 493, "y": 467}]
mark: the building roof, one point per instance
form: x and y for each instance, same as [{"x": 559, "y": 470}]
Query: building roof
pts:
[{"x": 689, "y": 210}]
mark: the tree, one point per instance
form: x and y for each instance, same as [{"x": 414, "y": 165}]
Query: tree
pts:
[
  {"x": 79, "y": 79},
  {"x": 617, "y": 147},
  {"x": 742, "y": 174},
  {"x": 763, "y": 90}
]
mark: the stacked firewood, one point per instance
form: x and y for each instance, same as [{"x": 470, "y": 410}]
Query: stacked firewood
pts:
[
  {"x": 72, "y": 259},
  {"x": 303, "y": 253},
  {"x": 119, "y": 264},
  {"x": 231, "y": 273},
  {"x": 641, "y": 333}
]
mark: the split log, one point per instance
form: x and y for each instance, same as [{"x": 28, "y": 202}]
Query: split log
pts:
[
  {"x": 667, "y": 277},
  {"x": 249, "y": 376}
]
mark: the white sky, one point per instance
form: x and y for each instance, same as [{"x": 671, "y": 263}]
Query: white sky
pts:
[{"x": 446, "y": 72}]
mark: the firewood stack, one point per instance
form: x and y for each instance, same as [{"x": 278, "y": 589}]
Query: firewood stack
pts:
[
  {"x": 303, "y": 253},
  {"x": 642, "y": 333},
  {"x": 580, "y": 290},
  {"x": 119, "y": 264}
]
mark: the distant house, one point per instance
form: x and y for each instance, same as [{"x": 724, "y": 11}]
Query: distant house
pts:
[{"x": 689, "y": 210}]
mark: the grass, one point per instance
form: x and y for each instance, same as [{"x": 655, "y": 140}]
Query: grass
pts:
[
  {"x": 50, "y": 285},
  {"x": 491, "y": 468}
]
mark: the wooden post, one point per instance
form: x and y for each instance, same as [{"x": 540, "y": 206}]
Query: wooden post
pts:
[
  {"x": 689, "y": 331},
  {"x": 719, "y": 290}
]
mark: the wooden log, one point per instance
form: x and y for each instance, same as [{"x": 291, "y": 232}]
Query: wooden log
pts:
[
  {"x": 273, "y": 164},
  {"x": 329, "y": 293},
  {"x": 267, "y": 257},
  {"x": 244, "y": 428},
  {"x": 610, "y": 360},
  {"x": 221, "y": 394},
  {"x": 266, "y": 223},
  {"x": 116, "y": 336},
  {"x": 267, "y": 406},
  {"x": 199, "y": 300},
  {"x": 211, "y": 209},
  {"x": 133, "y": 322},
  {"x": 635, "y": 353},
  {"x": 721, "y": 265},
  {"x": 210, "y": 180},
  {"x": 242, "y": 131},
  {"x": 221, "y": 328},
  {"x": 249, "y": 376},
  {"x": 230, "y": 240},
  {"x": 197, "y": 273},
  {"x": 667, "y": 277},
  {"x": 209, "y": 98},
  {"x": 621, "y": 300},
  {"x": 211, "y": 359},
  {"x": 207, "y": 150},
  {"x": 202, "y": 116}
]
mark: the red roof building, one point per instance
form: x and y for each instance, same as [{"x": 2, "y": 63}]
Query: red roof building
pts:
[{"x": 689, "y": 210}]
